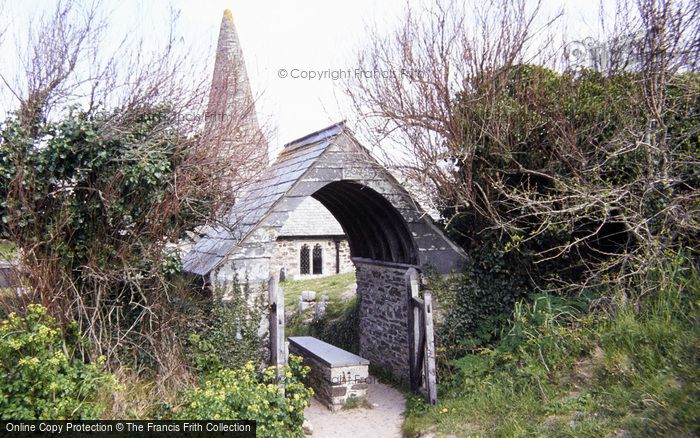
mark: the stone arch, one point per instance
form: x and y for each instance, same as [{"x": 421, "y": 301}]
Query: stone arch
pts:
[{"x": 375, "y": 229}]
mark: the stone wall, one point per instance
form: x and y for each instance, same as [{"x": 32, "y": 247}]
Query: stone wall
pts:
[
  {"x": 381, "y": 289},
  {"x": 286, "y": 254}
]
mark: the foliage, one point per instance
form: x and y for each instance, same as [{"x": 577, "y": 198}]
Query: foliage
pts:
[
  {"x": 474, "y": 303},
  {"x": 38, "y": 377},
  {"x": 222, "y": 332},
  {"x": 339, "y": 326},
  {"x": 246, "y": 394},
  {"x": 561, "y": 370},
  {"x": 7, "y": 250},
  {"x": 574, "y": 172},
  {"x": 94, "y": 203}
]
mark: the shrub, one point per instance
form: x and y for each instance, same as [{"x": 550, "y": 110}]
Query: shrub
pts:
[
  {"x": 246, "y": 394},
  {"x": 38, "y": 379},
  {"x": 563, "y": 370},
  {"x": 474, "y": 304},
  {"x": 223, "y": 333}
]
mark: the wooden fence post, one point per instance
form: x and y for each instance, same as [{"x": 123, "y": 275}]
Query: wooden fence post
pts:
[
  {"x": 278, "y": 353},
  {"x": 413, "y": 328},
  {"x": 430, "y": 373}
]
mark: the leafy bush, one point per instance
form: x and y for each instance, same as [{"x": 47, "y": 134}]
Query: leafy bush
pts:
[
  {"x": 95, "y": 202},
  {"x": 38, "y": 379},
  {"x": 223, "y": 332},
  {"x": 246, "y": 394},
  {"x": 474, "y": 304},
  {"x": 561, "y": 371}
]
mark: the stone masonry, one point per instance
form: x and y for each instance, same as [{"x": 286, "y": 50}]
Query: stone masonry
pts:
[
  {"x": 286, "y": 254},
  {"x": 336, "y": 375},
  {"x": 383, "y": 328},
  {"x": 386, "y": 230}
]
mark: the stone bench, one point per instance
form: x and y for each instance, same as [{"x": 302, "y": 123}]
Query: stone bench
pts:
[{"x": 336, "y": 375}]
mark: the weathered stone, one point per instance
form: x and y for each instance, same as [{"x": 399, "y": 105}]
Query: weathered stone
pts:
[
  {"x": 321, "y": 309},
  {"x": 308, "y": 428},
  {"x": 384, "y": 316},
  {"x": 286, "y": 253},
  {"x": 308, "y": 295},
  {"x": 335, "y": 373},
  {"x": 339, "y": 391},
  {"x": 303, "y": 305},
  {"x": 387, "y": 233}
]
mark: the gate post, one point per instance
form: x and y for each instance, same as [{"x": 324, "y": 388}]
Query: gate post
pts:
[
  {"x": 278, "y": 354},
  {"x": 413, "y": 328},
  {"x": 430, "y": 373},
  {"x": 421, "y": 339}
]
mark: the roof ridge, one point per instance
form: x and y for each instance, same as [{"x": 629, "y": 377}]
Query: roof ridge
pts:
[{"x": 301, "y": 140}]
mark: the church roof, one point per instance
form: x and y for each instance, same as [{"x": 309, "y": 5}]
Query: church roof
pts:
[
  {"x": 293, "y": 161},
  {"x": 311, "y": 218}
]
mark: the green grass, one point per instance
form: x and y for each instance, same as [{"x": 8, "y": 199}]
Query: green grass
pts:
[
  {"x": 7, "y": 250},
  {"x": 339, "y": 326},
  {"x": 333, "y": 286},
  {"x": 634, "y": 370},
  {"x": 357, "y": 403}
]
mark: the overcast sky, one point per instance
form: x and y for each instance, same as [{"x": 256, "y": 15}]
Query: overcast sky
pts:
[{"x": 295, "y": 37}]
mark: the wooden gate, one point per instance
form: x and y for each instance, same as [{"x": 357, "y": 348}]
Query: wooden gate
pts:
[{"x": 421, "y": 339}]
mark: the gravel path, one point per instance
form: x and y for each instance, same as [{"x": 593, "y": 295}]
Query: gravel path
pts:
[{"x": 384, "y": 420}]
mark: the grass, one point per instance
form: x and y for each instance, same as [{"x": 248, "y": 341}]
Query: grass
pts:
[
  {"x": 334, "y": 286},
  {"x": 340, "y": 324},
  {"x": 7, "y": 250},
  {"x": 633, "y": 372},
  {"x": 357, "y": 403}
]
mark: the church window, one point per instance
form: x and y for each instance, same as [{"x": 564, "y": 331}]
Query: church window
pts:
[
  {"x": 318, "y": 259},
  {"x": 304, "y": 260}
]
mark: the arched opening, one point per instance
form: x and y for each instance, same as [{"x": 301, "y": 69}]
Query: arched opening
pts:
[
  {"x": 304, "y": 260},
  {"x": 373, "y": 240},
  {"x": 318, "y": 260},
  {"x": 375, "y": 229}
]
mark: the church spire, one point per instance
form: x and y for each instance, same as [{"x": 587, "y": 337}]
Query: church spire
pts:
[{"x": 231, "y": 115}]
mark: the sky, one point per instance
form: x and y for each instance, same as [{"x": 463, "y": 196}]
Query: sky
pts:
[{"x": 283, "y": 43}]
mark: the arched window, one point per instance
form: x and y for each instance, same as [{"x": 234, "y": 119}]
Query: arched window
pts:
[
  {"x": 304, "y": 260},
  {"x": 318, "y": 259}
]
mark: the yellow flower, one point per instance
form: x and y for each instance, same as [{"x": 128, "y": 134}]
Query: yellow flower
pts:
[{"x": 444, "y": 410}]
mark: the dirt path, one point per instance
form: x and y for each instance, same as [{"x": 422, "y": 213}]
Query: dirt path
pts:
[{"x": 384, "y": 420}]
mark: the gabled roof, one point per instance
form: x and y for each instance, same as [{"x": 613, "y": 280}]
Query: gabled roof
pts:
[{"x": 293, "y": 161}]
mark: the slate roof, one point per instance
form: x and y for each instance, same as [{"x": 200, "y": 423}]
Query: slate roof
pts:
[
  {"x": 293, "y": 161},
  {"x": 311, "y": 218}
]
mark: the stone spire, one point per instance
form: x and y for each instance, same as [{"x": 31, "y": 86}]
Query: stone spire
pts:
[{"x": 231, "y": 115}]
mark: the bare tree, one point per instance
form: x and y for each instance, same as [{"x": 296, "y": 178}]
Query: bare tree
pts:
[
  {"x": 154, "y": 107},
  {"x": 471, "y": 117}
]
